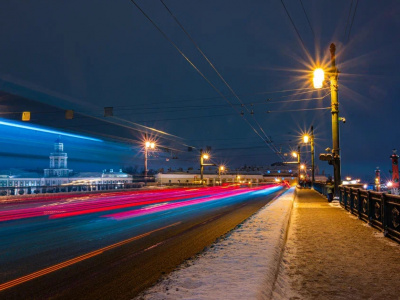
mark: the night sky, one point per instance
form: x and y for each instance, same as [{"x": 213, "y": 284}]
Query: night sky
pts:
[{"x": 86, "y": 55}]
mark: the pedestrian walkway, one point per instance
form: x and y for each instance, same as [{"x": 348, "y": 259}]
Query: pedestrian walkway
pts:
[{"x": 330, "y": 254}]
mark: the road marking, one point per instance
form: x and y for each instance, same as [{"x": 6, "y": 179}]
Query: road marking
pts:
[{"x": 75, "y": 260}]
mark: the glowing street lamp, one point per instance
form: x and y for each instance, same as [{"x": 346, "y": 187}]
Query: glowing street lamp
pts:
[
  {"x": 310, "y": 138},
  {"x": 302, "y": 167},
  {"x": 220, "y": 169},
  {"x": 294, "y": 154},
  {"x": 203, "y": 156},
  {"x": 318, "y": 83},
  {"x": 147, "y": 145},
  {"x": 319, "y": 78},
  {"x": 306, "y": 138}
]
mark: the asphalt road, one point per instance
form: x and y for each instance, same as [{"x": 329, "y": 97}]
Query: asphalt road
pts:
[{"x": 112, "y": 246}]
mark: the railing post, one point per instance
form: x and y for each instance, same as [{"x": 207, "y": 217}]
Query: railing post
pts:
[
  {"x": 383, "y": 214},
  {"x": 369, "y": 205},
  {"x": 351, "y": 199},
  {"x": 359, "y": 203}
]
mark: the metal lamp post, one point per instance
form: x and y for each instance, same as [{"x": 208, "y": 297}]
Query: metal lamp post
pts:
[
  {"x": 318, "y": 83},
  {"x": 220, "y": 169},
  {"x": 306, "y": 139},
  {"x": 147, "y": 145},
  {"x": 203, "y": 156}
]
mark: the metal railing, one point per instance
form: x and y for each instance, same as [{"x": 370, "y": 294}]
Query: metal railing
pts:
[
  {"x": 380, "y": 210},
  {"x": 32, "y": 190}
]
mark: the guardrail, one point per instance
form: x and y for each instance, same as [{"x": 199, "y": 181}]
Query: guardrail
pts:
[{"x": 379, "y": 210}]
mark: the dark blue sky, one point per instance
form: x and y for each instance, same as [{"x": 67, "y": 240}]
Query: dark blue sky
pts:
[{"x": 86, "y": 55}]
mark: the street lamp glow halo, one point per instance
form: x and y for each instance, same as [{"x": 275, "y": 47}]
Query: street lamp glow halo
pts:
[
  {"x": 206, "y": 156},
  {"x": 294, "y": 154},
  {"x": 306, "y": 138}
]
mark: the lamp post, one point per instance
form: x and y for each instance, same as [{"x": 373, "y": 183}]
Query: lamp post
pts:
[
  {"x": 297, "y": 154},
  {"x": 306, "y": 139},
  {"x": 298, "y": 161},
  {"x": 147, "y": 145},
  {"x": 203, "y": 156},
  {"x": 334, "y": 72},
  {"x": 220, "y": 169},
  {"x": 318, "y": 82}
]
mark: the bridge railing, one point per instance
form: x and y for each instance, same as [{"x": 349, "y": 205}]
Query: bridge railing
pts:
[
  {"x": 380, "y": 210},
  {"x": 32, "y": 190}
]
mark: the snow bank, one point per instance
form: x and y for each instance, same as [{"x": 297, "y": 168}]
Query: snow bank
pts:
[{"x": 242, "y": 265}]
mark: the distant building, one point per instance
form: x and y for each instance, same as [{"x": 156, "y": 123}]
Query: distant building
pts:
[
  {"x": 58, "y": 162},
  {"x": 58, "y": 174}
]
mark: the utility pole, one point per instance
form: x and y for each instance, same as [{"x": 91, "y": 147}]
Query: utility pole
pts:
[
  {"x": 312, "y": 158},
  {"x": 145, "y": 162},
  {"x": 334, "y": 72},
  {"x": 298, "y": 161},
  {"x": 203, "y": 156},
  {"x": 221, "y": 168},
  {"x": 201, "y": 166}
]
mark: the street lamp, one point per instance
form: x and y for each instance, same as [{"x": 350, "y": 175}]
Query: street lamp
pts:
[
  {"x": 220, "y": 169},
  {"x": 319, "y": 78},
  {"x": 147, "y": 145},
  {"x": 306, "y": 139},
  {"x": 203, "y": 156},
  {"x": 318, "y": 82}
]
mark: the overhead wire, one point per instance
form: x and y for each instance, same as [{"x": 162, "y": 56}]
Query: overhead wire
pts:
[
  {"x": 348, "y": 18},
  {"x": 308, "y": 20},
  {"x": 194, "y": 66},
  {"x": 269, "y": 142},
  {"x": 300, "y": 109},
  {"x": 300, "y": 100},
  {"x": 295, "y": 28},
  {"x": 352, "y": 21}
]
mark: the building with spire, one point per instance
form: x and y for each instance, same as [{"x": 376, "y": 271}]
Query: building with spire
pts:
[
  {"x": 59, "y": 178},
  {"x": 58, "y": 162}
]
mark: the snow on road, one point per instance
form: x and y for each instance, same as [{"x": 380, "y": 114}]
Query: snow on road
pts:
[{"x": 242, "y": 265}]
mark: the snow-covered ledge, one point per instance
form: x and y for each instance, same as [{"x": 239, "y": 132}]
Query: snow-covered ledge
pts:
[{"x": 243, "y": 265}]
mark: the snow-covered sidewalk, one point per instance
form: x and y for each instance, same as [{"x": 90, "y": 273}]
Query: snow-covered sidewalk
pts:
[{"x": 242, "y": 265}]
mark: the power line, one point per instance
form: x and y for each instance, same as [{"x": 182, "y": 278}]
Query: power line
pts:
[
  {"x": 308, "y": 20},
  {"x": 301, "y": 109},
  {"x": 294, "y": 26},
  {"x": 352, "y": 21},
  {"x": 192, "y": 64},
  {"x": 218, "y": 73},
  {"x": 299, "y": 100},
  {"x": 348, "y": 18}
]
